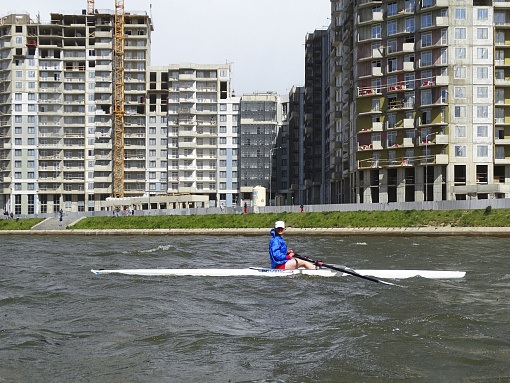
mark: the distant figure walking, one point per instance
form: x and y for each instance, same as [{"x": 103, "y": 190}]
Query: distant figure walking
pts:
[{"x": 61, "y": 217}]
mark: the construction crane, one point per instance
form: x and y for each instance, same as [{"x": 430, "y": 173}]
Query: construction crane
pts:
[
  {"x": 90, "y": 7},
  {"x": 118, "y": 101}
]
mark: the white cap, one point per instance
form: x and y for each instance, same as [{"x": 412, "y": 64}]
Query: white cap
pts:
[{"x": 279, "y": 224}]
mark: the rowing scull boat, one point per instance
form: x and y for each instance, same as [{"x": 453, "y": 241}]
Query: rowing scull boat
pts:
[{"x": 255, "y": 271}]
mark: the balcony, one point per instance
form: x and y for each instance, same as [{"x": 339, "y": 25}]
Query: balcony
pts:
[
  {"x": 442, "y": 159},
  {"x": 377, "y": 126},
  {"x": 408, "y": 142},
  {"x": 408, "y": 66},
  {"x": 408, "y": 48},
  {"x": 377, "y": 71}
]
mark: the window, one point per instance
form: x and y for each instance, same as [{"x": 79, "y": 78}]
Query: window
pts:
[
  {"x": 392, "y": 46},
  {"x": 376, "y": 104},
  {"x": 482, "y": 14},
  {"x": 426, "y": 59},
  {"x": 460, "y": 13},
  {"x": 376, "y": 31},
  {"x": 426, "y": 20},
  {"x": 426, "y": 97},
  {"x": 392, "y": 138},
  {"x": 460, "y": 151},
  {"x": 444, "y": 36},
  {"x": 410, "y": 25},
  {"x": 459, "y": 92},
  {"x": 392, "y": 28},
  {"x": 482, "y": 91},
  {"x": 482, "y": 53},
  {"x": 482, "y": 33},
  {"x": 459, "y": 71},
  {"x": 426, "y": 40},
  {"x": 482, "y": 72},
  {"x": 392, "y": 9},
  {"x": 392, "y": 64},
  {"x": 460, "y": 131},
  {"x": 460, "y": 33},
  {"x": 482, "y": 111},
  {"x": 482, "y": 131},
  {"x": 460, "y": 52},
  {"x": 460, "y": 111},
  {"x": 482, "y": 151}
]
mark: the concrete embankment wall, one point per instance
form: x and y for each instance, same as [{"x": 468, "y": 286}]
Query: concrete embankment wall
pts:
[{"x": 380, "y": 231}]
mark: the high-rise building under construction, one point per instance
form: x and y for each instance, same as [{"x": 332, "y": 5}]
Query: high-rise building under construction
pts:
[
  {"x": 420, "y": 100},
  {"x": 59, "y": 116}
]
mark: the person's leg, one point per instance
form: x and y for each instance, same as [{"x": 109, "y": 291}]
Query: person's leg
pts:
[{"x": 295, "y": 263}]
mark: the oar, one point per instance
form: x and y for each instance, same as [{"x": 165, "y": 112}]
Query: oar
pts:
[{"x": 344, "y": 270}]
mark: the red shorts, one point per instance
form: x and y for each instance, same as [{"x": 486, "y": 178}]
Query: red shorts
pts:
[{"x": 280, "y": 267}]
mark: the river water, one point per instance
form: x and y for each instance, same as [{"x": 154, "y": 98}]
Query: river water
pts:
[{"x": 61, "y": 323}]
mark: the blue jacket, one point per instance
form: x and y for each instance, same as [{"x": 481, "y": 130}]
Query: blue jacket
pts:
[{"x": 277, "y": 249}]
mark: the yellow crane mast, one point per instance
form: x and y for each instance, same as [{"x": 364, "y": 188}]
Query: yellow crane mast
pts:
[{"x": 118, "y": 101}]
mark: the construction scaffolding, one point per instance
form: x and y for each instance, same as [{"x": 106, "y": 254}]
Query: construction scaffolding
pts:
[{"x": 118, "y": 100}]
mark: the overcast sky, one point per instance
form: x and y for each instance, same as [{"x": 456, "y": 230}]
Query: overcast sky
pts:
[{"x": 263, "y": 40}]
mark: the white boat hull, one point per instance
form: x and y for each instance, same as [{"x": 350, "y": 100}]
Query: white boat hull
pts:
[{"x": 385, "y": 274}]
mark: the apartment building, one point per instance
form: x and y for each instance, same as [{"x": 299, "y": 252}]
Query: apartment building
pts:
[
  {"x": 261, "y": 119},
  {"x": 316, "y": 137},
  {"x": 56, "y": 110},
  {"x": 56, "y": 117},
  {"x": 419, "y": 91},
  {"x": 296, "y": 175},
  {"x": 202, "y": 132}
]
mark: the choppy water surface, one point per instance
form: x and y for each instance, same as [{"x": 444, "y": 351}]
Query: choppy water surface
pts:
[{"x": 61, "y": 323}]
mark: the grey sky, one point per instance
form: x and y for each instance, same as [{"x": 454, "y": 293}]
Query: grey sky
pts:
[{"x": 262, "y": 39}]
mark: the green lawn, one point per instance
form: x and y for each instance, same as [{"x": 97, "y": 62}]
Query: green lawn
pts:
[
  {"x": 398, "y": 218},
  {"x": 19, "y": 223},
  {"x": 406, "y": 218}
]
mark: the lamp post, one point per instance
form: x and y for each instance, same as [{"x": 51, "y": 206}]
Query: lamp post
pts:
[{"x": 271, "y": 171}]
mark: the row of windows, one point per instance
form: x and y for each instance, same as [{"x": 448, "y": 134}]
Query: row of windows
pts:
[{"x": 427, "y": 22}]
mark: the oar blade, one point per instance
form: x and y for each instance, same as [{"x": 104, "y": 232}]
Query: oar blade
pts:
[{"x": 345, "y": 270}]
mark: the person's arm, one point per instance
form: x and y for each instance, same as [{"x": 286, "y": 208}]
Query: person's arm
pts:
[{"x": 279, "y": 250}]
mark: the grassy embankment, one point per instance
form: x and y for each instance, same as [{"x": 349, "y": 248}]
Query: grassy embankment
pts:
[
  {"x": 19, "y": 223},
  {"x": 409, "y": 218},
  {"x": 357, "y": 219}
]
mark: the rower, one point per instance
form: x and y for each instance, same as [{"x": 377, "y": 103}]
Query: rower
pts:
[{"x": 281, "y": 258}]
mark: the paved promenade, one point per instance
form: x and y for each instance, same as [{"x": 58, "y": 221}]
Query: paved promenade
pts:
[{"x": 379, "y": 231}]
